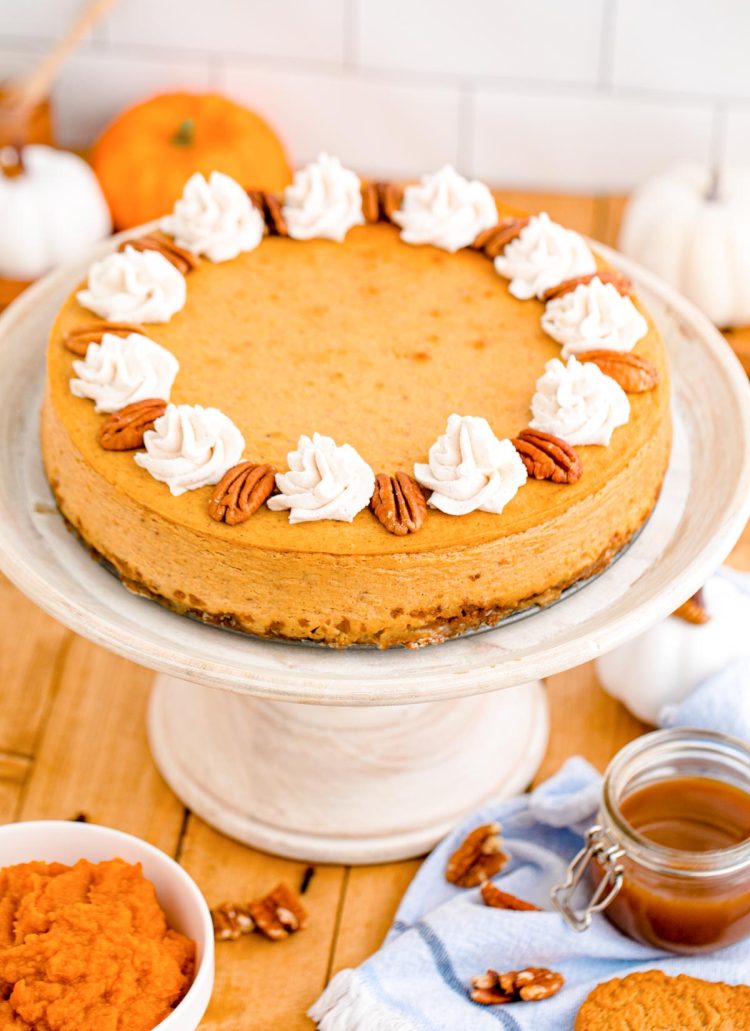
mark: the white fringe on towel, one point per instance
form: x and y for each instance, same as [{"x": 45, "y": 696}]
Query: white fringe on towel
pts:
[{"x": 348, "y": 1005}]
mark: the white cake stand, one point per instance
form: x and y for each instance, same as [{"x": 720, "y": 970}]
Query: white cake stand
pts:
[{"x": 326, "y": 755}]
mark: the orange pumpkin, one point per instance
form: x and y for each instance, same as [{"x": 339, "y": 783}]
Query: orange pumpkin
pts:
[{"x": 144, "y": 158}]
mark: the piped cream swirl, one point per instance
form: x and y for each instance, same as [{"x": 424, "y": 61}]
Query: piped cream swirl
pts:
[
  {"x": 578, "y": 403},
  {"x": 323, "y": 202},
  {"x": 120, "y": 371},
  {"x": 470, "y": 469},
  {"x": 134, "y": 286},
  {"x": 215, "y": 217},
  {"x": 543, "y": 255},
  {"x": 324, "y": 482},
  {"x": 190, "y": 447},
  {"x": 445, "y": 210},
  {"x": 594, "y": 315}
]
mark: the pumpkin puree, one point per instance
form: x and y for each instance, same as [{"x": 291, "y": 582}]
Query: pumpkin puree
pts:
[{"x": 87, "y": 948}]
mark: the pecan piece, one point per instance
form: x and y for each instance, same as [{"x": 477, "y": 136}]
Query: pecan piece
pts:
[
  {"x": 619, "y": 281},
  {"x": 269, "y": 205},
  {"x": 634, "y": 374},
  {"x": 529, "y": 985},
  {"x": 494, "y": 240},
  {"x": 278, "y": 914},
  {"x": 231, "y": 921},
  {"x": 486, "y": 990},
  {"x": 694, "y": 609},
  {"x": 547, "y": 457},
  {"x": 398, "y": 503},
  {"x": 497, "y": 899},
  {"x": 478, "y": 858},
  {"x": 532, "y": 984},
  {"x": 184, "y": 261},
  {"x": 390, "y": 196},
  {"x": 123, "y": 430},
  {"x": 370, "y": 202},
  {"x": 241, "y": 492},
  {"x": 77, "y": 340}
]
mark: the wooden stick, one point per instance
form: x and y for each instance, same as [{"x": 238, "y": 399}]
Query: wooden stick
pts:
[{"x": 35, "y": 85}]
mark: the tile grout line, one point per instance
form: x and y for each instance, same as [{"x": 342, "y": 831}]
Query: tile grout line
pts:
[
  {"x": 350, "y": 38},
  {"x": 607, "y": 45},
  {"x": 718, "y": 143},
  {"x": 337, "y": 924}
]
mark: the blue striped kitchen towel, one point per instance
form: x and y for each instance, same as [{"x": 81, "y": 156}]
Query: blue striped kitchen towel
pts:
[{"x": 443, "y": 936}]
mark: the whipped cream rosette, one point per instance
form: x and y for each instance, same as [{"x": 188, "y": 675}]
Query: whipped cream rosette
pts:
[
  {"x": 324, "y": 481},
  {"x": 543, "y": 255},
  {"x": 190, "y": 447},
  {"x": 594, "y": 315},
  {"x": 578, "y": 403},
  {"x": 323, "y": 202},
  {"x": 470, "y": 469},
  {"x": 122, "y": 370},
  {"x": 445, "y": 210},
  {"x": 134, "y": 286},
  {"x": 215, "y": 217}
]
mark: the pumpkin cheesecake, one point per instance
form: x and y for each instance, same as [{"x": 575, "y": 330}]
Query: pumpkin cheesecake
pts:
[{"x": 355, "y": 413}]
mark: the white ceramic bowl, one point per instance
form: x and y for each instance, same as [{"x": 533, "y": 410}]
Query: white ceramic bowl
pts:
[{"x": 65, "y": 841}]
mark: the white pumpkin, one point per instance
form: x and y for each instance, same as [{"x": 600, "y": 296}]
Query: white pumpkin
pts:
[
  {"x": 691, "y": 226},
  {"x": 663, "y": 665},
  {"x": 51, "y": 211}
]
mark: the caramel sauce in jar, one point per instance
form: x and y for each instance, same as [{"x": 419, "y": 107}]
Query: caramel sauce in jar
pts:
[
  {"x": 675, "y": 908},
  {"x": 669, "y": 855}
]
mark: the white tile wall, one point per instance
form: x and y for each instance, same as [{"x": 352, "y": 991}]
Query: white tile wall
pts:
[
  {"x": 581, "y": 94},
  {"x": 576, "y": 140},
  {"x": 36, "y": 19},
  {"x": 694, "y": 46},
  {"x": 378, "y": 127},
  {"x": 258, "y": 28},
  {"x": 474, "y": 38}
]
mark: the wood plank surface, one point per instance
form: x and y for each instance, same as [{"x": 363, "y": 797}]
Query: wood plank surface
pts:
[{"x": 72, "y": 740}]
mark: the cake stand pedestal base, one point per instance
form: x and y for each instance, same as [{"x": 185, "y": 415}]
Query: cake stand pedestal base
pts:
[{"x": 343, "y": 784}]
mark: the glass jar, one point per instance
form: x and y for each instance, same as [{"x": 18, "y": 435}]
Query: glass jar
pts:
[{"x": 669, "y": 857}]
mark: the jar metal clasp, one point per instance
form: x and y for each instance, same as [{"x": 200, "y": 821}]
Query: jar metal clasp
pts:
[{"x": 601, "y": 848}]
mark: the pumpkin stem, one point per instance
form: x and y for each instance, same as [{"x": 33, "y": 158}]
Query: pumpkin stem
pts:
[
  {"x": 185, "y": 135},
  {"x": 713, "y": 184},
  {"x": 11, "y": 162}
]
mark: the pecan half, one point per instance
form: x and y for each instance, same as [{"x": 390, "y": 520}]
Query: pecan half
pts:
[
  {"x": 497, "y": 899},
  {"x": 634, "y": 374},
  {"x": 478, "y": 858},
  {"x": 278, "y": 914},
  {"x": 532, "y": 983},
  {"x": 494, "y": 240},
  {"x": 123, "y": 430},
  {"x": 241, "y": 492},
  {"x": 231, "y": 921},
  {"x": 77, "y": 340},
  {"x": 182, "y": 259},
  {"x": 694, "y": 609},
  {"x": 398, "y": 503},
  {"x": 269, "y": 205},
  {"x": 547, "y": 457},
  {"x": 619, "y": 281}
]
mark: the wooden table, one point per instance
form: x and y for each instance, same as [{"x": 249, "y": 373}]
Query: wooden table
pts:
[{"x": 72, "y": 740}]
